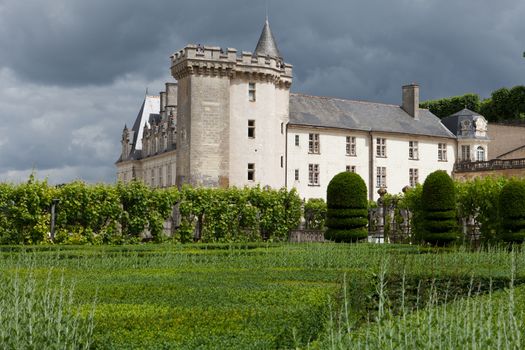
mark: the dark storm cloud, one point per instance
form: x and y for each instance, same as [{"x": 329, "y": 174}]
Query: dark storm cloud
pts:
[{"x": 72, "y": 72}]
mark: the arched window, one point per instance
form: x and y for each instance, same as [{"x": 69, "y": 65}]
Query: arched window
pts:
[{"x": 480, "y": 154}]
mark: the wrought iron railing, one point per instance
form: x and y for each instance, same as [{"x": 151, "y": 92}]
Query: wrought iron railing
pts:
[{"x": 494, "y": 164}]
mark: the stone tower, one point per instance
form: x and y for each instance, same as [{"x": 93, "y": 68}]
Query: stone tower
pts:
[{"x": 232, "y": 115}]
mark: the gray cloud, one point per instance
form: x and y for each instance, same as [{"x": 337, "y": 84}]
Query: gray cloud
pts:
[{"x": 72, "y": 72}]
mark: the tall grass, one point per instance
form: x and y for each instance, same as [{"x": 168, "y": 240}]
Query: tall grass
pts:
[
  {"x": 494, "y": 320},
  {"x": 41, "y": 315}
]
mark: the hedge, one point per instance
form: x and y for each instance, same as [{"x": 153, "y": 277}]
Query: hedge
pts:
[
  {"x": 124, "y": 213},
  {"x": 347, "y": 208},
  {"x": 439, "y": 209},
  {"x": 512, "y": 211}
]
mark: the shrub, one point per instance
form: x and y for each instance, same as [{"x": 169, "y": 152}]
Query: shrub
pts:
[
  {"x": 439, "y": 224},
  {"x": 315, "y": 213},
  {"x": 512, "y": 209},
  {"x": 347, "y": 208}
]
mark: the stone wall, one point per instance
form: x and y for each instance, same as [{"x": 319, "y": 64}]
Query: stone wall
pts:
[{"x": 505, "y": 138}]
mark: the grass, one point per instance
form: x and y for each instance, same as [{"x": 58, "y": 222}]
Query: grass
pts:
[{"x": 257, "y": 296}]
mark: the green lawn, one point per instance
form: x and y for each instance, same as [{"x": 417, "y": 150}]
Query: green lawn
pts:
[{"x": 254, "y": 296}]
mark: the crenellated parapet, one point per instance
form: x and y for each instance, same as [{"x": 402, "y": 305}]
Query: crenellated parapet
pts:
[{"x": 214, "y": 61}]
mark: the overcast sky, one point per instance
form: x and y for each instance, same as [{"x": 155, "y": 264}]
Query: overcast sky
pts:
[{"x": 73, "y": 72}]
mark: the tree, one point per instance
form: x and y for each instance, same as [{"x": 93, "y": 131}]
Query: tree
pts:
[
  {"x": 439, "y": 209},
  {"x": 512, "y": 211},
  {"x": 347, "y": 214}
]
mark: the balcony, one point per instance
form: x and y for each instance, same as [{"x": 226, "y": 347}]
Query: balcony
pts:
[{"x": 494, "y": 164}]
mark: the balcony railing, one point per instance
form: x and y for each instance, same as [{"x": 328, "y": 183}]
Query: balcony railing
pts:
[{"x": 494, "y": 164}]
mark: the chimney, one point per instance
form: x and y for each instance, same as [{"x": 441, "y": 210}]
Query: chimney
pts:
[
  {"x": 411, "y": 100},
  {"x": 162, "y": 102}
]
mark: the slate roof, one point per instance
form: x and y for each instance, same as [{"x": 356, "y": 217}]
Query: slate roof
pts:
[
  {"x": 453, "y": 123},
  {"x": 267, "y": 45},
  {"x": 366, "y": 116},
  {"x": 151, "y": 105}
]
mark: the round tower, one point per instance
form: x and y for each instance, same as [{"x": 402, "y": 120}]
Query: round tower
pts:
[{"x": 232, "y": 114}]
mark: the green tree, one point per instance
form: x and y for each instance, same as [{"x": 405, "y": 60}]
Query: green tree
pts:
[
  {"x": 347, "y": 214},
  {"x": 512, "y": 211},
  {"x": 439, "y": 226}
]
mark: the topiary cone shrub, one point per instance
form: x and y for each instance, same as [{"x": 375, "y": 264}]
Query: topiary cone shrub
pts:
[
  {"x": 439, "y": 224},
  {"x": 512, "y": 209},
  {"x": 347, "y": 214}
]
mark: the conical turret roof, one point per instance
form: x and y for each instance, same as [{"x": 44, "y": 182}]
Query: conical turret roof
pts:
[{"x": 267, "y": 45}]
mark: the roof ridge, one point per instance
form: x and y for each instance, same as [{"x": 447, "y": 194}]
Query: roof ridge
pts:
[{"x": 347, "y": 99}]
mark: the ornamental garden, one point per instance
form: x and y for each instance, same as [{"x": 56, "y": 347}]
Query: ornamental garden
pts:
[{"x": 226, "y": 276}]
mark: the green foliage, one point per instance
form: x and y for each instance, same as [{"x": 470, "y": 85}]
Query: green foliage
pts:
[
  {"x": 504, "y": 104},
  {"x": 479, "y": 198},
  {"x": 233, "y": 215},
  {"x": 126, "y": 213},
  {"x": 346, "y": 190},
  {"x": 41, "y": 314},
  {"x": 447, "y": 106},
  {"x": 247, "y": 296},
  {"x": 24, "y": 212},
  {"x": 315, "y": 213},
  {"x": 439, "y": 196},
  {"x": 413, "y": 201},
  {"x": 347, "y": 203},
  {"x": 512, "y": 210}
]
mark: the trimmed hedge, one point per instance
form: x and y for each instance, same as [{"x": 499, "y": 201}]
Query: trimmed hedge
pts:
[
  {"x": 347, "y": 214},
  {"x": 512, "y": 211},
  {"x": 439, "y": 226},
  {"x": 128, "y": 213},
  {"x": 347, "y": 190}
]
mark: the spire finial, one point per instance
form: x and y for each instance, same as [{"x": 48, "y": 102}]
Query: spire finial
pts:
[
  {"x": 146, "y": 91},
  {"x": 266, "y": 11}
]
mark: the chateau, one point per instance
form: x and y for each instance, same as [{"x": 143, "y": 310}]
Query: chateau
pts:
[{"x": 231, "y": 120}]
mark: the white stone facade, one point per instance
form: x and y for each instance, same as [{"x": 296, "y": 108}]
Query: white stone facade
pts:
[
  {"x": 363, "y": 159},
  {"x": 229, "y": 122}
]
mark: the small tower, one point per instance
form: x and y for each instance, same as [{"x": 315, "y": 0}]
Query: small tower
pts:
[
  {"x": 126, "y": 143},
  {"x": 232, "y": 114}
]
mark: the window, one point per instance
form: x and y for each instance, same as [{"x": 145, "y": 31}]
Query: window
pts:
[
  {"x": 350, "y": 168},
  {"x": 282, "y": 128},
  {"x": 161, "y": 170},
  {"x": 168, "y": 175},
  {"x": 313, "y": 174},
  {"x": 413, "y": 150},
  {"x": 251, "y": 92},
  {"x": 313, "y": 143},
  {"x": 413, "y": 177},
  {"x": 480, "y": 154},
  {"x": 465, "y": 153},
  {"x": 296, "y": 174},
  {"x": 350, "y": 146},
  {"x": 442, "y": 152},
  {"x": 282, "y": 161},
  {"x": 152, "y": 172},
  {"x": 297, "y": 140},
  {"x": 251, "y": 172},
  {"x": 251, "y": 129},
  {"x": 381, "y": 177},
  {"x": 381, "y": 147}
]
